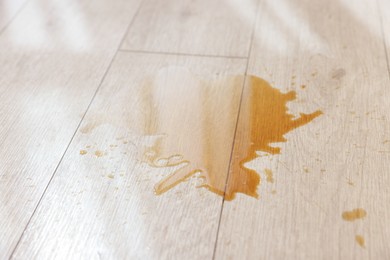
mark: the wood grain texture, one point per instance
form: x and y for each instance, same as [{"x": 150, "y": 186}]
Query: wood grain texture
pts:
[
  {"x": 8, "y": 10},
  {"x": 52, "y": 58},
  {"x": 158, "y": 117},
  {"x": 203, "y": 27},
  {"x": 101, "y": 203},
  {"x": 337, "y": 163}
]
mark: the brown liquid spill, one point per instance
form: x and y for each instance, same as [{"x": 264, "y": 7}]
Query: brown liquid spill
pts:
[
  {"x": 269, "y": 174},
  {"x": 194, "y": 126},
  {"x": 264, "y": 120},
  {"x": 360, "y": 240},
  {"x": 82, "y": 152},
  {"x": 354, "y": 214},
  {"x": 200, "y": 141}
]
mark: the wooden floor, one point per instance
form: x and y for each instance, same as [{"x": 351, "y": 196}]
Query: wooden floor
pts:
[{"x": 130, "y": 129}]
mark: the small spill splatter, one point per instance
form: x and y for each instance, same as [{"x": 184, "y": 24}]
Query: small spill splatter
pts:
[
  {"x": 360, "y": 240},
  {"x": 305, "y": 169},
  {"x": 111, "y": 176},
  {"x": 99, "y": 153},
  {"x": 269, "y": 174},
  {"x": 303, "y": 86},
  {"x": 354, "y": 214},
  {"x": 83, "y": 152}
]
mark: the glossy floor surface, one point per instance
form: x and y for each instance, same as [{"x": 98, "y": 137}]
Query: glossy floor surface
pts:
[{"x": 194, "y": 129}]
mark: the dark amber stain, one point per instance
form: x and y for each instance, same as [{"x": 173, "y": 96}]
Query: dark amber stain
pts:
[
  {"x": 263, "y": 120},
  {"x": 354, "y": 214}
]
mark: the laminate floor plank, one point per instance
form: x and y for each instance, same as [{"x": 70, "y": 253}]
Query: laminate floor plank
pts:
[
  {"x": 204, "y": 27},
  {"x": 53, "y": 57},
  {"x": 154, "y": 116},
  {"x": 327, "y": 195}
]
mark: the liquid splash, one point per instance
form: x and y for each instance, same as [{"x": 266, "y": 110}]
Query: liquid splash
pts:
[
  {"x": 205, "y": 149},
  {"x": 360, "y": 240},
  {"x": 194, "y": 121},
  {"x": 354, "y": 214},
  {"x": 264, "y": 120},
  {"x": 269, "y": 174}
]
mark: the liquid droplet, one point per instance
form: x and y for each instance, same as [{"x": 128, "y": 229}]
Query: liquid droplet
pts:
[
  {"x": 360, "y": 240},
  {"x": 354, "y": 214}
]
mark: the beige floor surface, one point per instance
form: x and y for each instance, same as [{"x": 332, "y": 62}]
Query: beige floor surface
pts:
[{"x": 105, "y": 103}]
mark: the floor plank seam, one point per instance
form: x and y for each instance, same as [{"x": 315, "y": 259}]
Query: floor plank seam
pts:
[
  {"x": 62, "y": 157},
  {"x": 235, "y": 131},
  {"x": 14, "y": 16},
  {"x": 77, "y": 128},
  {"x": 184, "y": 54}
]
